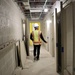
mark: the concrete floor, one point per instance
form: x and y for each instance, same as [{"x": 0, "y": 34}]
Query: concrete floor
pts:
[{"x": 44, "y": 66}]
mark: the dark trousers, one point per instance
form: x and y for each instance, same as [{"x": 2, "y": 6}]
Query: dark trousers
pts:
[{"x": 37, "y": 51}]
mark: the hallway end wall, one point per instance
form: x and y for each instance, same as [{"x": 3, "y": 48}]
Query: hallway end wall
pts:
[{"x": 33, "y": 21}]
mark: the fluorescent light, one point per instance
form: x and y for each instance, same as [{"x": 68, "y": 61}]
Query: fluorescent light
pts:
[
  {"x": 45, "y": 10},
  {"x": 24, "y": 29},
  {"x": 48, "y": 24},
  {"x": 35, "y": 18},
  {"x": 26, "y": 3},
  {"x": 36, "y": 10},
  {"x": 48, "y": 21}
]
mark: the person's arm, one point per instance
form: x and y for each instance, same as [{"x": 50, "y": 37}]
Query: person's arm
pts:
[
  {"x": 31, "y": 37},
  {"x": 42, "y": 38}
]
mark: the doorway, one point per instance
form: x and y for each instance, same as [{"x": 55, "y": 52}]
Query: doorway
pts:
[
  {"x": 52, "y": 39},
  {"x": 58, "y": 44}
]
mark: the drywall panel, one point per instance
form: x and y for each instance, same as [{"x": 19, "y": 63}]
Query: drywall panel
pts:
[{"x": 48, "y": 31}]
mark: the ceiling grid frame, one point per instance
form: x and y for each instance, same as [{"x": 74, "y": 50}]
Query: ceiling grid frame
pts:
[{"x": 33, "y": 8}]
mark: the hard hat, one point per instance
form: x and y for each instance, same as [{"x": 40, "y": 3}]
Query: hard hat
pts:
[{"x": 36, "y": 25}]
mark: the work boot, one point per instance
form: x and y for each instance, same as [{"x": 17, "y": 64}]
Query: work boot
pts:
[{"x": 35, "y": 58}]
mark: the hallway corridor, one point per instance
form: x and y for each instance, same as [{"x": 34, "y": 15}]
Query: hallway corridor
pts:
[
  {"x": 56, "y": 24},
  {"x": 45, "y": 66}
]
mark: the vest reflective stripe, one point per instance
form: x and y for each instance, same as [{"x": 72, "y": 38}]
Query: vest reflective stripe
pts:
[{"x": 36, "y": 36}]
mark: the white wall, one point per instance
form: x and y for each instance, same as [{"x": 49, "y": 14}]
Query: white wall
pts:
[
  {"x": 47, "y": 31},
  {"x": 44, "y": 31}
]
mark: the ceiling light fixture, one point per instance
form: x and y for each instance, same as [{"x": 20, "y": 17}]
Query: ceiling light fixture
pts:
[
  {"x": 45, "y": 10},
  {"x": 49, "y": 21}
]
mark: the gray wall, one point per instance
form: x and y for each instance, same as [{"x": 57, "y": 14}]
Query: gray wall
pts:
[
  {"x": 10, "y": 21},
  {"x": 7, "y": 60},
  {"x": 10, "y": 28}
]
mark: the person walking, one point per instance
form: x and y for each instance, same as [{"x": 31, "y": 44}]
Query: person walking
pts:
[{"x": 36, "y": 37}]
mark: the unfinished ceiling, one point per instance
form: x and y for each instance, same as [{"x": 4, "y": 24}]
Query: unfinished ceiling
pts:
[{"x": 34, "y": 9}]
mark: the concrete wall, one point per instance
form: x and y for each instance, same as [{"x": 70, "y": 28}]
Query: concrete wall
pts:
[
  {"x": 10, "y": 21},
  {"x": 10, "y": 28}
]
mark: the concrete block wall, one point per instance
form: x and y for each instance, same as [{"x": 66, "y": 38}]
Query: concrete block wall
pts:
[
  {"x": 10, "y": 28},
  {"x": 10, "y": 21}
]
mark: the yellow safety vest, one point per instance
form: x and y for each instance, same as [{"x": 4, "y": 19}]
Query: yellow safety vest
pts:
[{"x": 36, "y": 37}]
